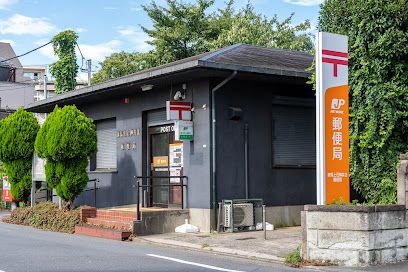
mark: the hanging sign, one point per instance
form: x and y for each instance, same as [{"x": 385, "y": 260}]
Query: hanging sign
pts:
[
  {"x": 332, "y": 143},
  {"x": 6, "y": 193},
  {"x": 183, "y": 130},
  {"x": 178, "y": 110}
]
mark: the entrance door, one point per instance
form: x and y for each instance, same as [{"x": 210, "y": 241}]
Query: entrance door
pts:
[{"x": 162, "y": 195}]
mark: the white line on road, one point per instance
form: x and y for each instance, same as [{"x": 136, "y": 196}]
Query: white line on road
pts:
[{"x": 191, "y": 263}]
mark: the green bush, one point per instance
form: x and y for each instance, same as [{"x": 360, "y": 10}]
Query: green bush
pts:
[
  {"x": 66, "y": 140},
  {"x": 46, "y": 216},
  {"x": 17, "y": 136}
]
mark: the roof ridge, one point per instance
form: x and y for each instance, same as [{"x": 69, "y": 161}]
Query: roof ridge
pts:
[{"x": 220, "y": 51}]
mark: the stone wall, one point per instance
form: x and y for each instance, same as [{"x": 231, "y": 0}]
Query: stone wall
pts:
[
  {"x": 402, "y": 185},
  {"x": 355, "y": 235}
]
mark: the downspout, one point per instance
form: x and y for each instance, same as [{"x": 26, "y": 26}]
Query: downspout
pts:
[{"x": 213, "y": 146}]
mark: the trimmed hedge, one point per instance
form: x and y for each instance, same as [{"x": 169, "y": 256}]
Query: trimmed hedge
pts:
[
  {"x": 46, "y": 216},
  {"x": 17, "y": 136},
  {"x": 66, "y": 140}
]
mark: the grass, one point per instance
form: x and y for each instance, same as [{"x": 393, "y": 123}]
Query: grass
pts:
[
  {"x": 205, "y": 245},
  {"x": 294, "y": 259}
]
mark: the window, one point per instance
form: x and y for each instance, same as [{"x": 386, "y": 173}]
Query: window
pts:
[
  {"x": 294, "y": 142},
  {"x": 106, "y": 157}
]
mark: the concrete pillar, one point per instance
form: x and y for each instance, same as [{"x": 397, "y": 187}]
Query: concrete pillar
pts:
[{"x": 402, "y": 180}]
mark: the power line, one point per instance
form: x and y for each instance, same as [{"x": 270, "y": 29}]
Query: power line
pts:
[{"x": 26, "y": 53}]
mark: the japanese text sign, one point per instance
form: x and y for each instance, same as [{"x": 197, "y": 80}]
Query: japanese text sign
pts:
[
  {"x": 6, "y": 193},
  {"x": 332, "y": 143}
]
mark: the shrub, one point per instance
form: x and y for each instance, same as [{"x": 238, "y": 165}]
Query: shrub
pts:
[
  {"x": 18, "y": 132},
  {"x": 46, "y": 216},
  {"x": 66, "y": 140}
]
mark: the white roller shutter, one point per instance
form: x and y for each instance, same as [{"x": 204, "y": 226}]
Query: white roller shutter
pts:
[{"x": 106, "y": 157}]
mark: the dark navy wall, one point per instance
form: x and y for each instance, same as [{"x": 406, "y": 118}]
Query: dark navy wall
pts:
[
  {"x": 277, "y": 186},
  {"x": 116, "y": 188}
]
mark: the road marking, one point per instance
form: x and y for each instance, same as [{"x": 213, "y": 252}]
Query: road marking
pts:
[{"x": 191, "y": 263}]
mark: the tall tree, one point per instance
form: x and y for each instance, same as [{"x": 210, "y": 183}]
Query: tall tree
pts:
[
  {"x": 248, "y": 27},
  {"x": 17, "y": 136},
  {"x": 123, "y": 63},
  {"x": 66, "y": 140},
  {"x": 65, "y": 69},
  {"x": 182, "y": 30},
  {"x": 378, "y": 79}
]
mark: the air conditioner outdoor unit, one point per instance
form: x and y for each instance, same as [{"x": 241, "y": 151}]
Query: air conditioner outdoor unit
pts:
[{"x": 238, "y": 215}]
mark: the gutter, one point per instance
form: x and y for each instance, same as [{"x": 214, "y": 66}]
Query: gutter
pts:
[{"x": 213, "y": 145}]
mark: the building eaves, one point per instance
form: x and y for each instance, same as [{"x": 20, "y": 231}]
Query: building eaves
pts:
[{"x": 239, "y": 57}]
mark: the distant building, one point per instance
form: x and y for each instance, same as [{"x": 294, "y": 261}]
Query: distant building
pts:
[{"x": 15, "y": 90}]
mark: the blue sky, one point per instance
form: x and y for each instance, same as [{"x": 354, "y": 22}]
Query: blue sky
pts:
[{"x": 105, "y": 26}]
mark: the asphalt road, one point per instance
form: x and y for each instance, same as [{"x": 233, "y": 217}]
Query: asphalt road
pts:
[{"x": 28, "y": 249}]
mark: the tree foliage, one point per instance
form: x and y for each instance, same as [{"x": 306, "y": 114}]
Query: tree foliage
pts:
[
  {"x": 121, "y": 64},
  {"x": 66, "y": 140},
  {"x": 17, "y": 136},
  {"x": 65, "y": 69},
  {"x": 378, "y": 79},
  {"x": 182, "y": 29}
]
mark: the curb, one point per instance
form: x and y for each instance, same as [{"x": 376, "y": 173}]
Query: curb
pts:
[{"x": 222, "y": 250}]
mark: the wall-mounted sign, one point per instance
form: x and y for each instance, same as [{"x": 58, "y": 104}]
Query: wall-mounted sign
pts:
[
  {"x": 332, "y": 143},
  {"x": 6, "y": 193},
  {"x": 176, "y": 161},
  {"x": 128, "y": 133},
  {"x": 128, "y": 146},
  {"x": 176, "y": 154},
  {"x": 160, "y": 161},
  {"x": 177, "y": 110},
  {"x": 183, "y": 130}
]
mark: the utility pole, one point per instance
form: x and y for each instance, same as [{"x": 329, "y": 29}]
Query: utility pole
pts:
[
  {"x": 45, "y": 87},
  {"x": 89, "y": 67}
]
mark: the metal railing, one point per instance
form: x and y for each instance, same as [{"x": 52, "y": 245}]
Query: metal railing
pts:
[
  {"x": 49, "y": 192},
  {"x": 150, "y": 186},
  {"x": 96, "y": 180}
]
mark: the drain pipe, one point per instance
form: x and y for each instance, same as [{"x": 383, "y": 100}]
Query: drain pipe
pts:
[{"x": 213, "y": 146}]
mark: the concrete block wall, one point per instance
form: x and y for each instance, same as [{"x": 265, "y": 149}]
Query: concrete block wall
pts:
[
  {"x": 402, "y": 181},
  {"x": 355, "y": 235}
]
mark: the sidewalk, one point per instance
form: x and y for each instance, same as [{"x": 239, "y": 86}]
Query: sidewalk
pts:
[{"x": 278, "y": 245}]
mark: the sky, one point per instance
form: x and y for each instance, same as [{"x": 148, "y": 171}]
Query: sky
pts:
[{"x": 106, "y": 26}]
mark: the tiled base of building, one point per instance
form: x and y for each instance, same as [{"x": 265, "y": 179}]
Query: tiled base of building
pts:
[{"x": 101, "y": 232}]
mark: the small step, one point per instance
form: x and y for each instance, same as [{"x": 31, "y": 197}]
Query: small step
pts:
[
  {"x": 100, "y": 232},
  {"x": 116, "y": 215},
  {"x": 114, "y": 224}
]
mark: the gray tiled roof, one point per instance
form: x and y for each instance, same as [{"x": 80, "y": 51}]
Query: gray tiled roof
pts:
[{"x": 239, "y": 57}]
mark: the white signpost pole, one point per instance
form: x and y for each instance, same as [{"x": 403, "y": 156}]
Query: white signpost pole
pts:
[{"x": 332, "y": 151}]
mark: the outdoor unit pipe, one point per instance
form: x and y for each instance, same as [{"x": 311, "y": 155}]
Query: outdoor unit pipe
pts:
[
  {"x": 246, "y": 160},
  {"x": 213, "y": 145}
]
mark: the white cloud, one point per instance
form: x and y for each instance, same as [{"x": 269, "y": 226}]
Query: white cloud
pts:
[
  {"x": 137, "y": 37},
  {"x": 23, "y": 25},
  {"x": 98, "y": 52},
  {"x": 95, "y": 52},
  {"x": 304, "y": 2},
  {"x": 80, "y": 30},
  {"x": 5, "y": 3},
  {"x": 46, "y": 51},
  {"x": 11, "y": 42}
]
